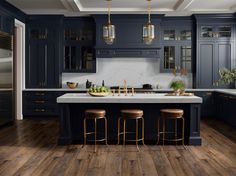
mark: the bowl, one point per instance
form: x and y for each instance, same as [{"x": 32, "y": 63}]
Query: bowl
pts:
[
  {"x": 72, "y": 85},
  {"x": 100, "y": 94}
]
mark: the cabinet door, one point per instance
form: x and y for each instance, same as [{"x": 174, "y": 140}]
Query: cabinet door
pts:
[
  {"x": 205, "y": 65},
  {"x": 186, "y": 57},
  {"x": 206, "y": 31},
  {"x": 7, "y": 24},
  {"x": 35, "y": 65},
  {"x": 223, "y": 53},
  {"x": 51, "y": 62},
  {"x": 169, "y": 60}
]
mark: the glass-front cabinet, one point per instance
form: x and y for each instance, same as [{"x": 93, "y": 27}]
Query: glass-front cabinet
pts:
[
  {"x": 79, "y": 53},
  {"x": 219, "y": 31},
  {"x": 177, "y": 49},
  {"x": 177, "y": 57},
  {"x": 180, "y": 34},
  {"x": 186, "y": 58},
  {"x": 169, "y": 57}
]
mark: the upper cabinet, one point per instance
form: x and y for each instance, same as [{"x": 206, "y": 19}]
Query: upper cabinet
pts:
[
  {"x": 43, "y": 51},
  {"x": 78, "y": 45},
  {"x": 128, "y": 41},
  {"x": 176, "y": 40},
  {"x": 6, "y": 23},
  {"x": 222, "y": 31},
  {"x": 215, "y": 48}
]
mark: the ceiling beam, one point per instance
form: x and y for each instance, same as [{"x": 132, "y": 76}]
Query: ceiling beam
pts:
[
  {"x": 73, "y": 5},
  {"x": 182, "y": 5}
]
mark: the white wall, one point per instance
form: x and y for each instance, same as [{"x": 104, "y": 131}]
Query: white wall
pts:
[{"x": 136, "y": 71}]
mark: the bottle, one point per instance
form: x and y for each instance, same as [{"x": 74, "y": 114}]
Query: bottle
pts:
[
  {"x": 103, "y": 83},
  {"x": 88, "y": 84}
]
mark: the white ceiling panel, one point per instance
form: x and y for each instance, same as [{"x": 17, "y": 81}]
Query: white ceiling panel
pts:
[{"x": 85, "y": 7}]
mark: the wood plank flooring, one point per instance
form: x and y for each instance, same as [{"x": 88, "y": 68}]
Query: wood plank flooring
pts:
[{"x": 29, "y": 148}]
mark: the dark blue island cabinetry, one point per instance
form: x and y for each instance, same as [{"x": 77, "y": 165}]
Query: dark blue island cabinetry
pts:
[{"x": 43, "y": 51}]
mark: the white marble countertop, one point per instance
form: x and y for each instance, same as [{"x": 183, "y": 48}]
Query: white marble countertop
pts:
[
  {"x": 83, "y": 89},
  {"x": 226, "y": 91},
  {"x": 137, "y": 98}
]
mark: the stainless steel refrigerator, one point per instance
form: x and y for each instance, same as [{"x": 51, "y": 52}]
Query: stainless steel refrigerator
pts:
[{"x": 6, "y": 79}]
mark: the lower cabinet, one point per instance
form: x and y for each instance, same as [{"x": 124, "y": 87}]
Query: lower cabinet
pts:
[
  {"x": 225, "y": 108},
  {"x": 40, "y": 103},
  {"x": 207, "y": 108}
]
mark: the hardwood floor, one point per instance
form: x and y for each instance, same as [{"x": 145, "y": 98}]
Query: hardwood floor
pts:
[{"x": 29, "y": 148}]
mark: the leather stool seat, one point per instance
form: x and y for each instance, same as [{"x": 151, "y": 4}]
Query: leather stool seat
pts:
[
  {"x": 131, "y": 113},
  {"x": 95, "y": 113},
  {"x": 172, "y": 113}
]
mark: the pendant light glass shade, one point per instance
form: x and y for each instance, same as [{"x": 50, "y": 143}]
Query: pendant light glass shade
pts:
[
  {"x": 109, "y": 29},
  {"x": 109, "y": 34},
  {"x": 149, "y": 28}
]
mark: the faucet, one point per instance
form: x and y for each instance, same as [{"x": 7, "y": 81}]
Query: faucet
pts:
[{"x": 125, "y": 88}]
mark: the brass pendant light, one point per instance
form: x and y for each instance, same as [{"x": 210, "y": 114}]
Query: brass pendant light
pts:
[
  {"x": 109, "y": 29},
  {"x": 149, "y": 28}
]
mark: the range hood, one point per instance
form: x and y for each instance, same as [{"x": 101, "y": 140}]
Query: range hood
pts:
[{"x": 129, "y": 41}]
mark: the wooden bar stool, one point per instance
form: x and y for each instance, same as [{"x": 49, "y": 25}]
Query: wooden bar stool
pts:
[
  {"x": 131, "y": 114},
  {"x": 172, "y": 114},
  {"x": 95, "y": 114}
]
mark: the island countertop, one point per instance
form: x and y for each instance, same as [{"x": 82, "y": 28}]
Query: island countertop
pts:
[{"x": 137, "y": 98}]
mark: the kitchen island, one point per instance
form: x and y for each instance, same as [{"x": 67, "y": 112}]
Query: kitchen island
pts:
[{"x": 73, "y": 105}]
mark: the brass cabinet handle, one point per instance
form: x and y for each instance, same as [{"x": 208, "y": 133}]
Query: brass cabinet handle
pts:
[
  {"x": 209, "y": 93},
  {"x": 40, "y": 94},
  {"x": 39, "y": 110},
  {"x": 231, "y": 97},
  {"x": 39, "y": 101}
]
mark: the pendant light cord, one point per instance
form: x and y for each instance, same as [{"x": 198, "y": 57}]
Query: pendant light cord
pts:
[
  {"x": 109, "y": 12},
  {"x": 149, "y": 11}
]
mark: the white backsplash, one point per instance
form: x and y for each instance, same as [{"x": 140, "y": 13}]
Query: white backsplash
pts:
[{"x": 136, "y": 71}]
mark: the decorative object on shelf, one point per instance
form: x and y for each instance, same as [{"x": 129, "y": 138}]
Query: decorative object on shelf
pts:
[
  {"x": 227, "y": 76},
  {"x": 178, "y": 86},
  {"x": 88, "y": 84},
  {"x": 99, "y": 91},
  {"x": 72, "y": 85},
  {"x": 148, "y": 29},
  {"x": 182, "y": 71},
  {"x": 109, "y": 29}
]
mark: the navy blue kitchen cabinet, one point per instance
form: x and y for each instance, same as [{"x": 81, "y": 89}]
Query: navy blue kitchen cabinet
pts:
[
  {"x": 6, "y": 23},
  {"x": 225, "y": 108},
  {"x": 207, "y": 106},
  {"x": 43, "y": 52},
  {"x": 79, "y": 42},
  {"x": 129, "y": 41},
  {"x": 40, "y": 103},
  {"x": 215, "y": 48},
  {"x": 176, "y": 40}
]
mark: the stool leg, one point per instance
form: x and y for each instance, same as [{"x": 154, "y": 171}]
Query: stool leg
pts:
[
  {"x": 175, "y": 131},
  {"x": 85, "y": 132},
  {"x": 105, "y": 130},
  {"x": 158, "y": 130},
  {"x": 143, "y": 131},
  {"x": 136, "y": 133},
  {"x": 95, "y": 134},
  {"x": 118, "y": 132},
  {"x": 183, "y": 131},
  {"x": 163, "y": 137},
  {"x": 124, "y": 129}
]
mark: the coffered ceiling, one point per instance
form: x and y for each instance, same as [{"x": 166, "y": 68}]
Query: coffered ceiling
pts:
[{"x": 84, "y": 7}]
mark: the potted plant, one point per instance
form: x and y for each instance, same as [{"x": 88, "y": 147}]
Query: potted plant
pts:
[
  {"x": 228, "y": 76},
  {"x": 178, "y": 86}
]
